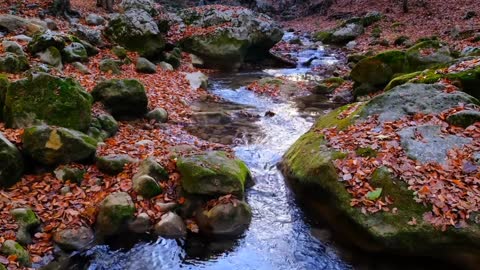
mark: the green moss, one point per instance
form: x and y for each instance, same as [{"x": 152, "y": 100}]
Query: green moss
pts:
[
  {"x": 25, "y": 217},
  {"x": 331, "y": 119},
  {"x": 402, "y": 79},
  {"x": 401, "y": 40},
  {"x": 323, "y": 36},
  {"x": 43, "y": 98},
  {"x": 377, "y": 32},
  {"x": 339, "y": 155},
  {"x": 10, "y": 247},
  {"x": 366, "y": 152}
]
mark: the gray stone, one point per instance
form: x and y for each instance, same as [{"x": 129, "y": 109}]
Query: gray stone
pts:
[
  {"x": 14, "y": 24},
  {"x": 113, "y": 164},
  {"x": 428, "y": 143},
  {"x": 108, "y": 123},
  {"x": 11, "y": 247},
  {"x": 75, "y": 52},
  {"x": 197, "y": 80},
  {"x": 141, "y": 224},
  {"x": 409, "y": 99},
  {"x": 51, "y": 56},
  {"x": 151, "y": 168},
  {"x": 160, "y": 115},
  {"x": 81, "y": 68},
  {"x": 92, "y": 36},
  {"x": 145, "y": 66},
  {"x": 346, "y": 33},
  {"x": 145, "y": 5},
  {"x": 146, "y": 186},
  {"x": 464, "y": 118},
  {"x": 94, "y": 19},
  {"x": 12, "y": 47},
  {"x": 110, "y": 65},
  {"x": 51, "y": 24},
  {"x": 66, "y": 173},
  {"x": 74, "y": 239},
  {"x": 47, "y": 39},
  {"x": 13, "y": 63},
  {"x": 165, "y": 207},
  {"x": 171, "y": 226},
  {"x": 165, "y": 66}
]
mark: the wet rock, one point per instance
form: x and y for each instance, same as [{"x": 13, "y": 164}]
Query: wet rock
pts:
[
  {"x": 429, "y": 144},
  {"x": 113, "y": 164},
  {"x": 43, "y": 98},
  {"x": 123, "y": 98},
  {"x": 328, "y": 85},
  {"x": 55, "y": 145},
  {"x": 146, "y": 186},
  {"x": 171, "y": 226},
  {"x": 114, "y": 213},
  {"x": 94, "y": 19},
  {"x": 229, "y": 219},
  {"x": 249, "y": 37},
  {"x": 66, "y": 173},
  {"x": 141, "y": 224},
  {"x": 136, "y": 30},
  {"x": 74, "y": 239},
  {"x": 51, "y": 56},
  {"x": 464, "y": 118},
  {"x": 13, "y": 63},
  {"x": 197, "y": 80},
  {"x": 74, "y": 52},
  {"x": 145, "y": 66},
  {"x": 11, "y": 247},
  {"x": 11, "y": 163},
  {"x": 213, "y": 173},
  {"x": 110, "y": 65},
  {"x": 160, "y": 115}
]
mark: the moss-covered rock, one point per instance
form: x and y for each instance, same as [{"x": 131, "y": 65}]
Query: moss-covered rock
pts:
[
  {"x": 308, "y": 165},
  {"x": 328, "y": 85},
  {"x": 110, "y": 65},
  {"x": 108, "y": 124},
  {"x": 11, "y": 163},
  {"x": 151, "y": 168},
  {"x": 114, "y": 213},
  {"x": 12, "y": 47},
  {"x": 136, "y": 30},
  {"x": 25, "y": 217},
  {"x": 11, "y": 247},
  {"x": 72, "y": 174},
  {"x": 248, "y": 37},
  {"x": 51, "y": 56},
  {"x": 123, "y": 98},
  {"x": 75, "y": 52},
  {"x": 464, "y": 118},
  {"x": 119, "y": 52},
  {"x": 145, "y": 66},
  {"x": 174, "y": 57},
  {"x": 55, "y": 145},
  {"x": 428, "y": 53},
  {"x": 159, "y": 115},
  {"x": 74, "y": 239},
  {"x": 43, "y": 41},
  {"x": 44, "y": 98},
  {"x": 213, "y": 173},
  {"x": 146, "y": 186},
  {"x": 113, "y": 164},
  {"x": 366, "y": 20},
  {"x": 13, "y": 63},
  {"x": 227, "y": 220}
]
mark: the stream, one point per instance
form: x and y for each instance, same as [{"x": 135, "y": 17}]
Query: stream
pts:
[{"x": 280, "y": 236}]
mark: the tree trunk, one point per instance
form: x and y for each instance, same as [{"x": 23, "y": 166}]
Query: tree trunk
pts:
[{"x": 405, "y": 6}]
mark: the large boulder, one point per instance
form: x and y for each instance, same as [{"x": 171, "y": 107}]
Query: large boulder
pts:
[
  {"x": 116, "y": 210},
  {"x": 428, "y": 53},
  {"x": 44, "y": 98},
  {"x": 242, "y": 35},
  {"x": 11, "y": 163},
  {"x": 213, "y": 173},
  {"x": 13, "y": 63},
  {"x": 13, "y": 24},
  {"x": 55, "y": 145},
  {"x": 42, "y": 41},
  {"x": 136, "y": 30},
  {"x": 310, "y": 168},
  {"x": 225, "y": 219},
  {"x": 124, "y": 98}
]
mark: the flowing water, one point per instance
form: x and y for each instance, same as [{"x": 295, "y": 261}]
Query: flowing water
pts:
[{"x": 261, "y": 129}]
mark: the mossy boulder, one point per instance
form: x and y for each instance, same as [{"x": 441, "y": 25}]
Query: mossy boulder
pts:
[
  {"x": 146, "y": 186},
  {"x": 113, "y": 164},
  {"x": 310, "y": 169},
  {"x": 54, "y": 145},
  {"x": 151, "y": 168},
  {"x": 43, "y": 41},
  {"x": 44, "y": 98},
  {"x": 464, "y": 118},
  {"x": 428, "y": 53},
  {"x": 110, "y": 66},
  {"x": 12, "y": 248},
  {"x": 75, "y": 52},
  {"x": 114, "y": 213},
  {"x": 225, "y": 219},
  {"x": 123, "y": 98},
  {"x": 12, "y": 47},
  {"x": 51, "y": 56},
  {"x": 119, "y": 52},
  {"x": 11, "y": 163},
  {"x": 213, "y": 173},
  {"x": 72, "y": 174},
  {"x": 108, "y": 123},
  {"x": 136, "y": 30},
  {"x": 248, "y": 36},
  {"x": 13, "y": 63}
]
